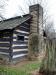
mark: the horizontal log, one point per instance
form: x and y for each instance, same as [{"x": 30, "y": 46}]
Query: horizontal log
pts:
[
  {"x": 18, "y": 42},
  {"x": 20, "y": 47},
  {"x": 4, "y": 45},
  {"x": 19, "y": 58},
  {"x": 4, "y": 50},
  {"x": 4, "y": 53},
  {"x": 25, "y": 25},
  {"x": 19, "y": 33},
  {"x": 16, "y": 50},
  {"x": 20, "y": 55},
  {"x": 19, "y": 52},
  {"x": 24, "y": 29},
  {"x": 5, "y": 39}
]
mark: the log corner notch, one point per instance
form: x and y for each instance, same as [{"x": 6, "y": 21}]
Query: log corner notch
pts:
[{"x": 36, "y": 25}]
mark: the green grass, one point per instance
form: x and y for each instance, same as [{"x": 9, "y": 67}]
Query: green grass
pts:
[{"x": 23, "y": 70}]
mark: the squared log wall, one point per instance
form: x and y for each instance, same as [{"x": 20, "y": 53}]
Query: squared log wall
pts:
[
  {"x": 20, "y": 48},
  {"x": 5, "y": 45}
]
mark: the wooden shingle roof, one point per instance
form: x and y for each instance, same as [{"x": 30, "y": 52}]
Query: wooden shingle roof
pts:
[{"x": 13, "y": 22}]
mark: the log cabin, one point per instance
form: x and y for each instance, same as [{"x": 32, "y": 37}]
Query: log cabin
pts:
[
  {"x": 14, "y": 35},
  {"x": 15, "y": 32}
]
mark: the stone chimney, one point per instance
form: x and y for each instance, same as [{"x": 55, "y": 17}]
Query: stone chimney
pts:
[{"x": 36, "y": 25}]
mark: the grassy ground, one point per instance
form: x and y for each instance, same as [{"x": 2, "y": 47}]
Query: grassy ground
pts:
[{"x": 20, "y": 69}]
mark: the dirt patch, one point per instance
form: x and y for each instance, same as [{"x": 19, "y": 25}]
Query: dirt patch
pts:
[
  {"x": 22, "y": 63},
  {"x": 47, "y": 72},
  {"x": 43, "y": 73},
  {"x": 35, "y": 73}
]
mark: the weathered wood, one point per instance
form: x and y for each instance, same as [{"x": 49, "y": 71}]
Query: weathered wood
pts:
[
  {"x": 18, "y": 42},
  {"x": 11, "y": 40},
  {"x": 5, "y": 44},
  {"x": 19, "y": 58},
  {"x": 19, "y": 52},
  {"x": 20, "y": 47},
  {"x": 19, "y": 33},
  {"x": 4, "y": 50},
  {"x": 4, "y": 39},
  {"x": 25, "y": 24},
  {"x": 23, "y": 29}
]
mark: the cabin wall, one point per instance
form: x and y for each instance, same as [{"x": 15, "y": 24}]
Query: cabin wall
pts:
[
  {"x": 20, "y": 48},
  {"x": 5, "y": 45}
]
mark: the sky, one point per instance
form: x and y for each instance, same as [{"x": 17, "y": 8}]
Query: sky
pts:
[
  {"x": 52, "y": 10},
  {"x": 14, "y": 8}
]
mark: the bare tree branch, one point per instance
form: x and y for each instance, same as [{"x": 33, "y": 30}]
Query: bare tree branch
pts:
[
  {"x": 21, "y": 9},
  {"x": 3, "y": 4}
]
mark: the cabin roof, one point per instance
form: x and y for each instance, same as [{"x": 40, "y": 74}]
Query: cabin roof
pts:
[{"x": 13, "y": 22}]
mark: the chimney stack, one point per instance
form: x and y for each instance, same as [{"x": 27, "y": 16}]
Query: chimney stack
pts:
[{"x": 36, "y": 25}]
